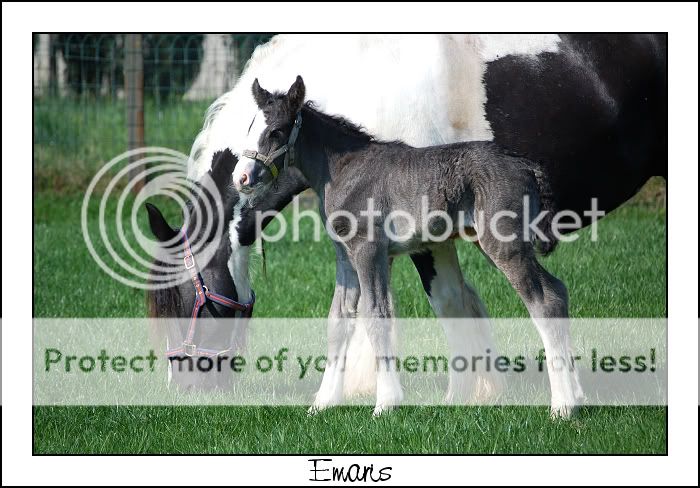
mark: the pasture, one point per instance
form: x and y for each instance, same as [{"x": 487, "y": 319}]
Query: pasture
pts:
[{"x": 621, "y": 275}]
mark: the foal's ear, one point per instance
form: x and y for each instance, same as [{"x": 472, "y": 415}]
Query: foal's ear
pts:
[
  {"x": 261, "y": 95},
  {"x": 159, "y": 226},
  {"x": 296, "y": 94}
]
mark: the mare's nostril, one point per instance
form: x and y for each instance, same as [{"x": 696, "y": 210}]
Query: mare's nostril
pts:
[{"x": 244, "y": 179}]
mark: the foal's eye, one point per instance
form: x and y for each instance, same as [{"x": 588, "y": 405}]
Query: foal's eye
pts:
[{"x": 277, "y": 134}]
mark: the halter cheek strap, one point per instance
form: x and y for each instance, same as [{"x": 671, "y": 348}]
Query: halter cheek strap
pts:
[
  {"x": 286, "y": 149},
  {"x": 202, "y": 296}
]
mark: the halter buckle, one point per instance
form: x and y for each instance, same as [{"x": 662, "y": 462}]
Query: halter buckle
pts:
[
  {"x": 287, "y": 150},
  {"x": 247, "y": 153},
  {"x": 189, "y": 349},
  {"x": 189, "y": 261}
]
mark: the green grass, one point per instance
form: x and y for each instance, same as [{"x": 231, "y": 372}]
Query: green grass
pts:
[
  {"x": 347, "y": 430},
  {"x": 622, "y": 275}
]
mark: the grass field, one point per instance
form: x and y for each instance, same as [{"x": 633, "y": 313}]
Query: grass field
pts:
[{"x": 622, "y": 275}]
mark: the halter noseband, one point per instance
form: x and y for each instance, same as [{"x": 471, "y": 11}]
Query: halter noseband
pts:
[
  {"x": 202, "y": 297},
  {"x": 287, "y": 150}
]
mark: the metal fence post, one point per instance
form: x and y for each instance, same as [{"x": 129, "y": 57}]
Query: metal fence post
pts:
[{"x": 133, "y": 85}]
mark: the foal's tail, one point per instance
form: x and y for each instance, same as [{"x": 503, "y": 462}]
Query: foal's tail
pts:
[{"x": 547, "y": 204}]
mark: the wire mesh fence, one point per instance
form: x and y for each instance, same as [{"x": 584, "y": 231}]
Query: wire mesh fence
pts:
[{"x": 82, "y": 104}]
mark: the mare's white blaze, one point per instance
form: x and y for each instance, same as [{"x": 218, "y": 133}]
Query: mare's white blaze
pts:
[{"x": 238, "y": 263}]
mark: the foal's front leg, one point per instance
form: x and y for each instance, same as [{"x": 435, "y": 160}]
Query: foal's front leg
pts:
[
  {"x": 372, "y": 264},
  {"x": 340, "y": 331}
]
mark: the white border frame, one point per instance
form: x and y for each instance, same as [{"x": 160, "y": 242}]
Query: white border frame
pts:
[{"x": 680, "y": 20}]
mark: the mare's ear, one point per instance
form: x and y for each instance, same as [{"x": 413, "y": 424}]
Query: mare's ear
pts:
[
  {"x": 261, "y": 96},
  {"x": 159, "y": 226},
  {"x": 222, "y": 168},
  {"x": 296, "y": 94}
]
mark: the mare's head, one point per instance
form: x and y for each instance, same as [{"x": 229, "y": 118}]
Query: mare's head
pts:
[{"x": 205, "y": 231}]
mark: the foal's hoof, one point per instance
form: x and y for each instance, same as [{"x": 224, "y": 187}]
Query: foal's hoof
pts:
[
  {"x": 314, "y": 410},
  {"x": 317, "y": 408},
  {"x": 382, "y": 409},
  {"x": 563, "y": 412}
]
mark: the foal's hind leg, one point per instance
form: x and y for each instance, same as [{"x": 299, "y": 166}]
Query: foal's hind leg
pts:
[
  {"x": 452, "y": 297},
  {"x": 546, "y": 299}
]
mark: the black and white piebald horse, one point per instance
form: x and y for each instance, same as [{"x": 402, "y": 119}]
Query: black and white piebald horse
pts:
[{"x": 592, "y": 109}]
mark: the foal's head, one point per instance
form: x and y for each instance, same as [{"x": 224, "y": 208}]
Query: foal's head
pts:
[
  {"x": 260, "y": 165},
  {"x": 208, "y": 216}
]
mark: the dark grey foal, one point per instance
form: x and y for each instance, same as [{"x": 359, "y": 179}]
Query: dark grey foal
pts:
[{"x": 382, "y": 199}]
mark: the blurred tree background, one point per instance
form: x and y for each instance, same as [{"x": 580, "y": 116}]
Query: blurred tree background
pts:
[
  {"x": 80, "y": 101},
  {"x": 92, "y": 64}
]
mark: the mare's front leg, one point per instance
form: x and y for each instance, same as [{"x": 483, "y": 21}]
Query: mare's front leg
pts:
[
  {"x": 452, "y": 298},
  {"x": 371, "y": 261}
]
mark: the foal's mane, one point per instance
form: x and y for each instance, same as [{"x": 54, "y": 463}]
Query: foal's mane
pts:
[{"x": 341, "y": 123}]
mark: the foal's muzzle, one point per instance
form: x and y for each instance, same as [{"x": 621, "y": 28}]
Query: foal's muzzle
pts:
[{"x": 251, "y": 175}]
